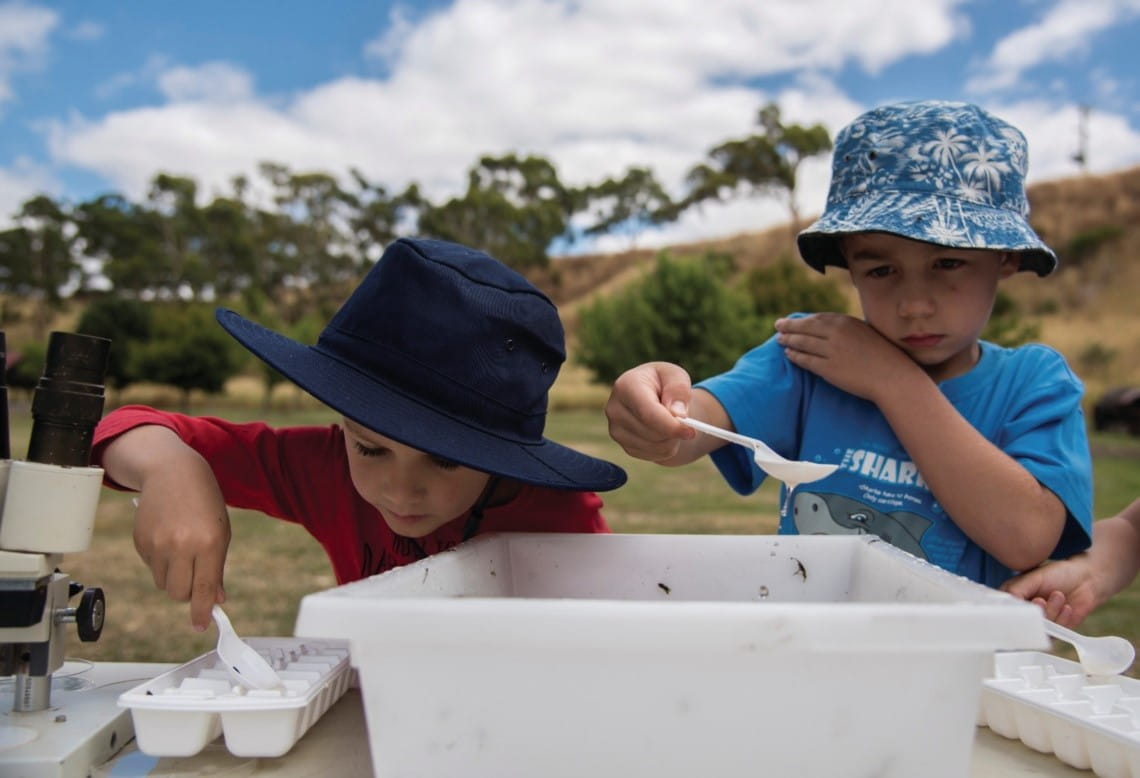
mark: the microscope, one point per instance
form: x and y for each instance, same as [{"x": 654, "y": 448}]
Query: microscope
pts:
[{"x": 47, "y": 509}]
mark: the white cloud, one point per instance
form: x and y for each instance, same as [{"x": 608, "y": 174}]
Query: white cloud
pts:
[
  {"x": 217, "y": 82},
  {"x": 1065, "y": 30},
  {"x": 24, "y": 32},
  {"x": 1052, "y": 132}
]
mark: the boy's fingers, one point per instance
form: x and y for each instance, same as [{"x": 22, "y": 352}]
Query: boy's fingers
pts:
[{"x": 207, "y": 591}]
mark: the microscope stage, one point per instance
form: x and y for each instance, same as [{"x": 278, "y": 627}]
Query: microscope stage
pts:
[{"x": 84, "y": 726}]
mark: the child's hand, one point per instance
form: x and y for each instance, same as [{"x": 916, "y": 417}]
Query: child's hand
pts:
[
  {"x": 844, "y": 351},
  {"x": 643, "y": 408},
  {"x": 1066, "y": 590},
  {"x": 182, "y": 533},
  {"x": 182, "y": 528}
]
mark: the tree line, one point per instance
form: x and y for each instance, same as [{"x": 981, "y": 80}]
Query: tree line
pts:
[{"x": 319, "y": 233}]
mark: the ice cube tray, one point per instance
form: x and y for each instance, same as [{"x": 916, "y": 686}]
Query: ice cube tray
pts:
[
  {"x": 179, "y": 712},
  {"x": 1091, "y": 722}
]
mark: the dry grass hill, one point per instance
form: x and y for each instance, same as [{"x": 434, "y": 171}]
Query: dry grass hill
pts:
[{"x": 1087, "y": 309}]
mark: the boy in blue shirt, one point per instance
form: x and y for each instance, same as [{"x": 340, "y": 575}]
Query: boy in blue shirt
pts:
[{"x": 965, "y": 453}]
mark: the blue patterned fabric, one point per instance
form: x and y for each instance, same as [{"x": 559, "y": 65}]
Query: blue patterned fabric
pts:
[{"x": 940, "y": 172}]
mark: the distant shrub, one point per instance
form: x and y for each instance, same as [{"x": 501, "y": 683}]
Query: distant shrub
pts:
[
  {"x": 1047, "y": 307},
  {"x": 1095, "y": 357},
  {"x": 1006, "y": 326},
  {"x": 784, "y": 287},
  {"x": 1086, "y": 243},
  {"x": 682, "y": 312}
]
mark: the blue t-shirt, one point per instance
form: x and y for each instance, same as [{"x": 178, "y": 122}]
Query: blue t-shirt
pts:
[{"x": 1025, "y": 400}]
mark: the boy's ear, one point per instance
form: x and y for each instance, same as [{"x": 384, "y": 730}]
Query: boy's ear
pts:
[{"x": 1010, "y": 264}]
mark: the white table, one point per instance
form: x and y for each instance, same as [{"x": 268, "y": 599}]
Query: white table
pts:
[{"x": 338, "y": 745}]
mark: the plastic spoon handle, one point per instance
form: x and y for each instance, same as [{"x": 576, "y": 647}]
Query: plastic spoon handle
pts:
[
  {"x": 733, "y": 437},
  {"x": 1108, "y": 655}
]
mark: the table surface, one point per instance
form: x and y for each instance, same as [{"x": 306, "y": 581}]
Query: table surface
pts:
[{"x": 338, "y": 736}]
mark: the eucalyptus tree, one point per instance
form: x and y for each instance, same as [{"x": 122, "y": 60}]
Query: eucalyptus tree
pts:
[
  {"x": 125, "y": 239},
  {"x": 633, "y": 202},
  {"x": 173, "y": 201},
  {"x": 310, "y": 231},
  {"x": 37, "y": 260},
  {"x": 514, "y": 207},
  {"x": 762, "y": 163}
]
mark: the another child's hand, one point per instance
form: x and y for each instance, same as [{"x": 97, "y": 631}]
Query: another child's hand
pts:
[
  {"x": 1069, "y": 590},
  {"x": 1065, "y": 590},
  {"x": 643, "y": 408},
  {"x": 844, "y": 351}
]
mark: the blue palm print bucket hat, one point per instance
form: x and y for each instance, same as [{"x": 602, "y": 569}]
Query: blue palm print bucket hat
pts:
[{"x": 940, "y": 172}]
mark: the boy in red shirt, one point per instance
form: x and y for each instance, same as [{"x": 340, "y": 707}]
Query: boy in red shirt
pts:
[{"x": 440, "y": 363}]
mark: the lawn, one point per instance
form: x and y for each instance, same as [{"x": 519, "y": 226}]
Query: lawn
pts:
[{"x": 272, "y": 564}]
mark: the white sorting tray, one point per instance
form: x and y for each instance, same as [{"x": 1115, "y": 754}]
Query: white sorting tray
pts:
[
  {"x": 1091, "y": 722},
  {"x": 181, "y": 711}
]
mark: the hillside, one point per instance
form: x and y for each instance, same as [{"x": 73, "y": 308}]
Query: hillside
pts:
[{"x": 1086, "y": 309}]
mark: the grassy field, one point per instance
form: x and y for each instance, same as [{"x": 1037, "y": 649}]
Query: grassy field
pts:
[{"x": 272, "y": 564}]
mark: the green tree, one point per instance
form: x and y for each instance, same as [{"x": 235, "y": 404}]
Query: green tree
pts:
[
  {"x": 127, "y": 324},
  {"x": 682, "y": 312},
  {"x": 635, "y": 201},
  {"x": 125, "y": 239},
  {"x": 38, "y": 258},
  {"x": 310, "y": 236},
  {"x": 761, "y": 163},
  {"x": 513, "y": 209},
  {"x": 187, "y": 350},
  {"x": 173, "y": 202}
]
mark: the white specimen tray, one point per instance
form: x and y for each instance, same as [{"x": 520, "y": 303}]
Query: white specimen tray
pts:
[
  {"x": 181, "y": 711},
  {"x": 1091, "y": 722}
]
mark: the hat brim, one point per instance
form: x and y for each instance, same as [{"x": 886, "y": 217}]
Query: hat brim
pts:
[
  {"x": 943, "y": 221},
  {"x": 383, "y": 408}
]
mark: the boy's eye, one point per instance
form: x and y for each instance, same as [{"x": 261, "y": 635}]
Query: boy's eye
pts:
[
  {"x": 368, "y": 451},
  {"x": 948, "y": 263},
  {"x": 444, "y": 464},
  {"x": 881, "y": 271}
]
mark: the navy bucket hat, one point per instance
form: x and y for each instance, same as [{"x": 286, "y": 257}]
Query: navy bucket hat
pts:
[
  {"x": 444, "y": 349},
  {"x": 939, "y": 172}
]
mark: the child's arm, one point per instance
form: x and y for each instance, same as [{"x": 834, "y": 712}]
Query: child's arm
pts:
[
  {"x": 182, "y": 528},
  {"x": 643, "y": 408},
  {"x": 993, "y": 499},
  {"x": 1070, "y": 589}
]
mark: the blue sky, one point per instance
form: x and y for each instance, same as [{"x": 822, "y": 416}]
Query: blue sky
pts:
[{"x": 98, "y": 97}]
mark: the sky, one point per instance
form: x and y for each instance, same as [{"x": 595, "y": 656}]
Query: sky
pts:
[{"x": 99, "y": 97}]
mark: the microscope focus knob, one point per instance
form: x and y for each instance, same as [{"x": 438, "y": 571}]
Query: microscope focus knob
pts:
[{"x": 90, "y": 614}]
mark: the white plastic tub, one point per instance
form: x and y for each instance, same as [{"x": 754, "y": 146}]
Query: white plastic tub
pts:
[{"x": 662, "y": 655}]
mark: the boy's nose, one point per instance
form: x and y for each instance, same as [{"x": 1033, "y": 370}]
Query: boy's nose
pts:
[{"x": 914, "y": 301}]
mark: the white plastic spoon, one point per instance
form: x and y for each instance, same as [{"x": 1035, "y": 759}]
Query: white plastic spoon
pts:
[
  {"x": 791, "y": 471},
  {"x": 244, "y": 663},
  {"x": 1108, "y": 655}
]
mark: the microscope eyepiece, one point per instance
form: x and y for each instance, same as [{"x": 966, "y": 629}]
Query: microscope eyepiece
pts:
[{"x": 68, "y": 400}]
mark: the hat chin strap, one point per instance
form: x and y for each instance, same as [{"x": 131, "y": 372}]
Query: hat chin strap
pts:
[{"x": 476, "y": 517}]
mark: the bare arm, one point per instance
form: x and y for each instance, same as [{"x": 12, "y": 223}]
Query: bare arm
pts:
[
  {"x": 993, "y": 499},
  {"x": 182, "y": 528},
  {"x": 643, "y": 408},
  {"x": 1070, "y": 589}
]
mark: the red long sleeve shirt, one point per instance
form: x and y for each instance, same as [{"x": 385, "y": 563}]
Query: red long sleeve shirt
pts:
[{"x": 300, "y": 474}]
